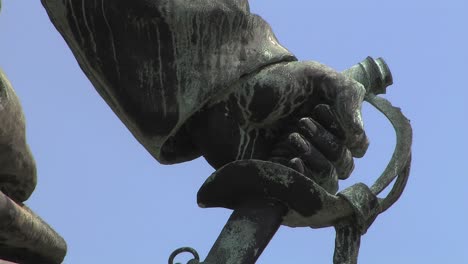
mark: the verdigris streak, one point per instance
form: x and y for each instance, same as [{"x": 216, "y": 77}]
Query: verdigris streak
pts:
[{"x": 209, "y": 78}]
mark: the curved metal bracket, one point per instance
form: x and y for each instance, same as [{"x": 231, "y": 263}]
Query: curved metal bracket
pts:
[
  {"x": 400, "y": 163},
  {"x": 351, "y": 211},
  {"x": 375, "y": 76},
  {"x": 366, "y": 205}
]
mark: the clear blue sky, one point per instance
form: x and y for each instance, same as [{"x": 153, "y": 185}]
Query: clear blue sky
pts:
[{"x": 114, "y": 204}]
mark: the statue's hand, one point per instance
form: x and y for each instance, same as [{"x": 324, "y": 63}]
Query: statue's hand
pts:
[
  {"x": 343, "y": 95},
  {"x": 249, "y": 121},
  {"x": 315, "y": 146},
  {"x": 324, "y": 142}
]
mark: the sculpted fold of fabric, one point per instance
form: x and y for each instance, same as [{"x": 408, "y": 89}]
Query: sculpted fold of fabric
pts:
[
  {"x": 158, "y": 62},
  {"x": 17, "y": 166}
]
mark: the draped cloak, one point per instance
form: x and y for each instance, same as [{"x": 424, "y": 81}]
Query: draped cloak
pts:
[{"x": 157, "y": 62}]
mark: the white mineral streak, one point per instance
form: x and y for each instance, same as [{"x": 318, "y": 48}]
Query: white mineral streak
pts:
[
  {"x": 244, "y": 140},
  {"x": 289, "y": 99},
  {"x": 277, "y": 175},
  {"x": 240, "y": 238},
  {"x": 214, "y": 45},
  {"x": 112, "y": 41},
  {"x": 90, "y": 32},
  {"x": 5, "y": 91},
  {"x": 244, "y": 99},
  {"x": 288, "y": 93},
  {"x": 80, "y": 38},
  {"x": 272, "y": 40},
  {"x": 182, "y": 28},
  {"x": 226, "y": 56},
  {"x": 257, "y": 134},
  {"x": 161, "y": 74},
  {"x": 333, "y": 209}
]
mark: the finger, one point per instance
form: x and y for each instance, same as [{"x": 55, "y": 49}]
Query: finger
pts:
[
  {"x": 344, "y": 165},
  {"x": 339, "y": 156},
  {"x": 347, "y": 96},
  {"x": 284, "y": 149},
  {"x": 327, "y": 119},
  {"x": 313, "y": 160},
  {"x": 320, "y": 138},
  {"x": 296, "y": 152},
  {"x": 293, "y": 145},
  {"x": 323, "y": 114},
  {"x": 318, "y": 168},
  {"x": 297, "y": 164}
]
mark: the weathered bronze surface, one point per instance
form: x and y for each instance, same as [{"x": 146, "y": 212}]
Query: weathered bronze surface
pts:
[
  {"x": 24, "y": 237},
  {"x": 296, "y": 200},
  {"x": 17, "y": 166},
  {"x": 156, "y": 63},
  {"x": 209, "y": 78}
]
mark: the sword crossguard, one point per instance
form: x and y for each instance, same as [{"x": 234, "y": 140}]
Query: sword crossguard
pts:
[
  {"x": 265, "y": 195},
  {"x": 242, "y": 181}
]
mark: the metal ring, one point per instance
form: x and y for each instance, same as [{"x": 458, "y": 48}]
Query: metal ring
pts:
[{"x": 178, "y": 251}]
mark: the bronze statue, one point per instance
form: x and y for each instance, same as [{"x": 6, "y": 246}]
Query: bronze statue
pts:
[
  {"x": 169, "y": 60},
  {"x": 209, "y": 78},
  {"x": 17, "y": 166}
]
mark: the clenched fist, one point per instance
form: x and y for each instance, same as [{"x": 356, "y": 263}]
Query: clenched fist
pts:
[{"x": 301, "y": 114}]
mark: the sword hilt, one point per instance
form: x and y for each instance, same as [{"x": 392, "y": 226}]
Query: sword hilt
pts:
[
  {"x": 373, "y": 74},
  {"x": 265, "y": 195}
]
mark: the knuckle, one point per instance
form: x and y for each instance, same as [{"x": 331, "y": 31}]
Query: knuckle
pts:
[
  {"x": 305, "y": 120},
  {"x": 297, "y": 164},
  {"x": 359, "y": 88},
  {"x": 359, "y": 146},
  {"x": 322, "y": 108},
  {"x": 298, "y": 142},
  {"x": 345, "y": 165},
  {"x": 308, "y": 125},
  {"x": 327, "y": 171}
]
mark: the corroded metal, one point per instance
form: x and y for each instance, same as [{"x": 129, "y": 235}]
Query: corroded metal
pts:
[
  {"x": 191, "y": 78},
  {"x": 351, "y": 211},
  {"x": 17, "y": 166},
  {"x": 240, "y": 182},
  {"x": 156, "y": 63},
  {"x": 25, "y": 238},
  {"x": 196, "y": 257},
  {"x": 399, "y": 165},
  {"x": 373, "y": 74},
  {"x": 364, "y": 200},
  {"x": 402, "y": 153},
  {"x": 247, "y": 232}
]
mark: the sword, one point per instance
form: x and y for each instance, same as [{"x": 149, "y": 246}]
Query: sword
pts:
[{"x": 264, "y": 195}]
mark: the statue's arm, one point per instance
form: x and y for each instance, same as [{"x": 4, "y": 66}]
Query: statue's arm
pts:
[
  {"x": 300, "y": 113},
  {"x": 169, "y": 68}
]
